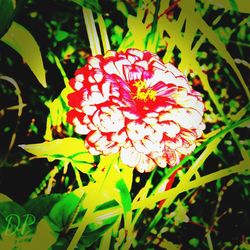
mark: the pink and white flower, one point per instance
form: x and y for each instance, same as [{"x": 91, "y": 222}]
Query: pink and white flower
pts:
[{"x": 131, "y": 102}]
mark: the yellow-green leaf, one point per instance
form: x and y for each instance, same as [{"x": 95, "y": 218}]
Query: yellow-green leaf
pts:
[
  {"x": 238, "y": 5},
  {"x": 21, "y": 40},
  {"x": 70, "y": 147}
]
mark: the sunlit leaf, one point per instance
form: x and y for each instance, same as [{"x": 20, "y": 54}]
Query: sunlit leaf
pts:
[
  {"x": 74, "y": 204},
  {"x": 134, "y": 24},
  {"x": 21, "y": 40},
  {"x": 221, "y": 48},
  {"x": 71, "y": 148},
  {"x": 180, "y": 214},
  {"x": 236, "y": 5},
  {"x": 44, "y": 236},
  {"x": 165, "y": 244},
  {"x": 121, "y": 6}
]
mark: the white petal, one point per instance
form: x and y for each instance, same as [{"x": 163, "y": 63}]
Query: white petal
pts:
[
  {"x": 174, "y": 144},
  {"x": 126, "y": 69},
  {"x": 170, "y": 67},
  {"x": 95, "y": 137},
  {"x": 159, "y": 65},
  {"x": 130, "y": 115},
  {"x": 131, "y": 59},
  {"x": 89, "y": 110},
  {"x": 135, "y": 52},
  {"x": 130, "y": 156},
  {"x": 94, "y": 62},
  {"x": 96, "y": 119},
  {"x": 145, "y": 164},
  {"x": 161, "y": 161},
  {"x": 171, "y": 129},
  {"x": 150, "y": 120},
  {"x": 120, "y": 138},
  {"x": 156, "y": 136},
  {"x": 80, "y": 128},
  {"x": 143, "y": 64},
  {"x": 98, "y": 77},
  {"x": 79, "y": 78},
  {"x": 91, "y": 79},
  {"x": 111, "y": 69},
  {"x": 140, "y": 147},
  {"x": 106, "y": 89},
  {"x": 137, "y": 131},
  {"x": 187, "y": 118},
  {"x": 151, "y": 146},
  {"x": 93, "y": 151},
  {"x": 120, "y": 66},
  {"x": 78, "y": 85},
  {"x": 97, "y": 98},
  {"x": 94, "y": 88}
]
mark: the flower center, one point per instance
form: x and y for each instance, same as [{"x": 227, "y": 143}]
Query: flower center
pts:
[{"x": 143, "y": 92}]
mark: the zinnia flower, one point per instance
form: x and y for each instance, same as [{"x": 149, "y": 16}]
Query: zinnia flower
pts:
[{"x": 131, "y": 102}]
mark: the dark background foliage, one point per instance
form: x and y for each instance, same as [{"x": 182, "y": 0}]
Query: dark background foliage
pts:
[{"x": 59, "y": 30}]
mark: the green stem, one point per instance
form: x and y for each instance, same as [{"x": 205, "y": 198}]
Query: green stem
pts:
[
  {"x": 20, "y": 107},
  {"x": 104, "y": 35},
  {"x": 62, "y": 71},
  {"x": 220, "y": 134},
  {"x": 241, "y": 168},
  {"x": 92, "y": 201},
  {"x": 209, "y": 241},
  {"x": 91, "y": 30},
  {"x": 185, "y": 179},
  {"x": 143, "y": 195}
]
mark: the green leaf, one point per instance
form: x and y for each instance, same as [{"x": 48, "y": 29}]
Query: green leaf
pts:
[
  {"x": 126, "y": 203},
  {"x": 89, "y": 237},
  {"x": 20, "y": 39},
  {"x": 62, "y": 212},
  {"x": 107, "y": 205},
  {"x": 194, "y": 242},
  {"x": 93, "y": 5},
  {"x": 10, "y": 212},
  {"x": 42, "y": 205},
  {"x": 70, "y": 148},
  {"x": 7, "y": 8},
  {"x": 61, "y": 35},
  {"x": 237, "y": 5},
  {"x": 124, "y": 195}
]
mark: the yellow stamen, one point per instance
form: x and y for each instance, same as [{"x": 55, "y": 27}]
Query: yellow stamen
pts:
[{"x": 143, "y": 93}]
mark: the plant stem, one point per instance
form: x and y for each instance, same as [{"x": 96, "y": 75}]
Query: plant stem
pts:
[
  {"x": 91, "y": 30},
  {"x": 220, "y": 135},
  {"x": 92, "y": 201},
  {"x": 209, "y": 241},
  {"x": 20, "y": 107},
  {"x": 104, "y": 35},
  {"x": 241, "y": 168}
]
